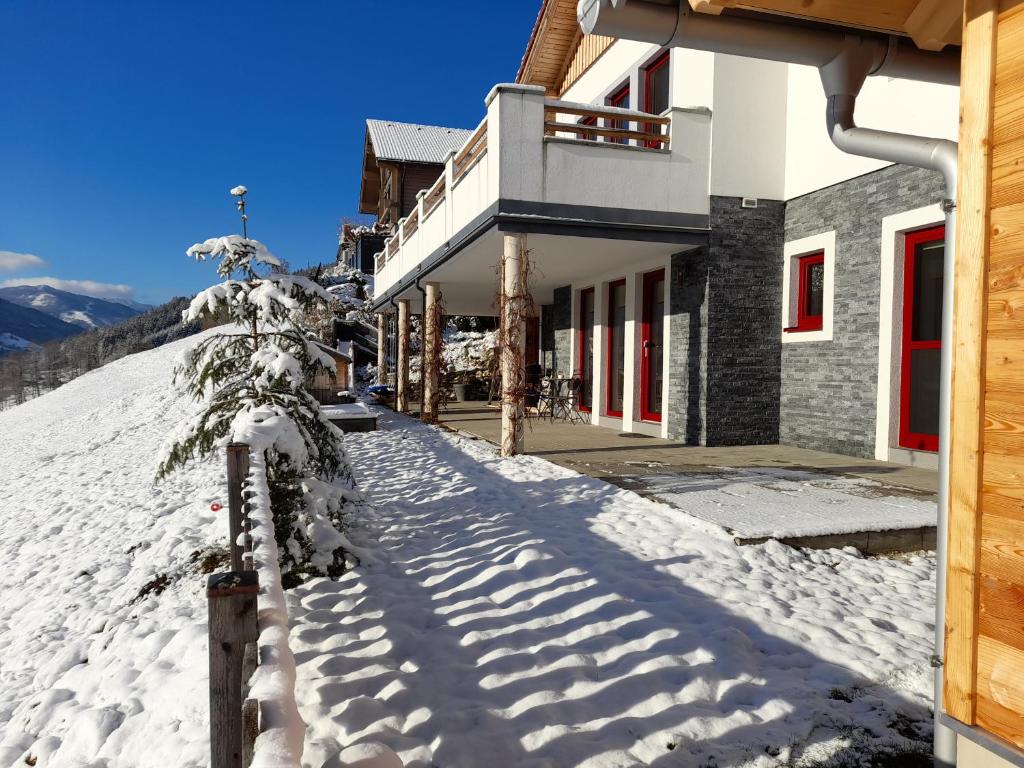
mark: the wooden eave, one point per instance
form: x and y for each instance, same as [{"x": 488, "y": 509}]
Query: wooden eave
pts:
[
  {"x": 369, "y": 184},
  {"x": 553, "y": 45},
  {"x": 931, "y": 24}
]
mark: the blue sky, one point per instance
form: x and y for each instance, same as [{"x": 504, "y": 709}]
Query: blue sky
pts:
[{"x": 124, "y": 124}]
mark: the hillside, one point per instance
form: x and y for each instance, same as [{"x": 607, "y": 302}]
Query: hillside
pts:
[
  {"x": 20, "y": 324},
  {"x": 102, "y": 610},
  {"x": 83, "y": 311}
]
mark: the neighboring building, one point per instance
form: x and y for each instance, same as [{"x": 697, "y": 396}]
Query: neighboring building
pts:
[
  {"x": 357, "y": 246},
  {"x": 400, "y": 159},
  {"x": 328, "y": 389},
  {"x": 720, "y": 275}
]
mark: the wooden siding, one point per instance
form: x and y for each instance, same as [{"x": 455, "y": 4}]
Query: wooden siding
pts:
[
  {"x": 588, "y": 50},
  {"x": 558, "y": 53},
  {"x": 984, "y": 660}
]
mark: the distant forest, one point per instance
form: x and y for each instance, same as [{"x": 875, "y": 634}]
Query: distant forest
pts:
[{"x": 25, "y": 375}]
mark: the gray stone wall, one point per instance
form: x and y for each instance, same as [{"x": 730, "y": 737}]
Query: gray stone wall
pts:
[
  {"x": 559, "y": 313},
  {"x": 829, "y": 388},
  {"x": 724, "y": 304}
]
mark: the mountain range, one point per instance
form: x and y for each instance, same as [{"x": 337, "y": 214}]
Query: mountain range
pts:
[{"x": 35, "y": 314}]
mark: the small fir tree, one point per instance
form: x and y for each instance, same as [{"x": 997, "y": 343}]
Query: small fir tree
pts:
[{"x": 250, "y": 380}]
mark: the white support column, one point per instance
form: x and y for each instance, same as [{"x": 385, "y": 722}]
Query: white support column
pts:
[
  {"x": 513, "y": 374},
  {"x": 402, "y": 364},
  {"x": 431, "y": 374},
  {"x": 382, "y": 348}
]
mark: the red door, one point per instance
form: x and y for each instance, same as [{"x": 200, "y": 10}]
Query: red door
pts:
[
  {"x": 922, "y": 339},
  {"x": 652, "y": 340}
]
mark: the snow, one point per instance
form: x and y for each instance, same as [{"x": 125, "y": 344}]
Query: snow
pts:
[
  {"x": 784, "y": 503},
  {"x": 77, "y": 317},
  {"x": 99, "y": 666},
  {"x": 517, "y": 613},
  {"x": 346, "y": 411},
  {"x": 239, "y": 190},
  {"x": 505, "y": 611},
  {"x": 279, "y": 745},
  {"x": 11, "y": 342}
]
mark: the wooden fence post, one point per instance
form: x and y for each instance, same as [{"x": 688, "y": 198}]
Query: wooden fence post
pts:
[
  {"x": 231, "y": 599},
  {"x": 238, "y": 471}
]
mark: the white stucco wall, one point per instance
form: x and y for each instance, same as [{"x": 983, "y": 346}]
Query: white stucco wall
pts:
[
  {"x": 748, "y": 128},
  {"x": 904, "y": 106}
]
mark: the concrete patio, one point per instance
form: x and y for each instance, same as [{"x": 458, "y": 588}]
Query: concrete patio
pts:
[{"x": 665, "y": 470}]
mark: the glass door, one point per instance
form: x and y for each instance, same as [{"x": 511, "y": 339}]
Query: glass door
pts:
[
  {"x": 586, "y": 349},
  {"x": 652, "y": 337},
  {"x": 616, "y": 365},
  {"x": 922, "y": 339}
]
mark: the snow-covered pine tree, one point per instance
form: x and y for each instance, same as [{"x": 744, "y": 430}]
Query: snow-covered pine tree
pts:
[{"x": 250, "y": 380}]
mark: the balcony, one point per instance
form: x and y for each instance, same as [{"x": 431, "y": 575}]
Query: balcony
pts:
[{"x": 539, "y": 165}]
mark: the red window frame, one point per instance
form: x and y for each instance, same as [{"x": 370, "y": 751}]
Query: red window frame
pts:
[
  {"x": 580, "y": 344},
  {"x": 660, "y": 61},
  {"x": 650, "y": 280},
  {"x": 804, "y": 320},
  {"x": 908, "y": 439},
  {"x": 609, "y": 368},
  {"x": 588, "y": 121},
  {"x": 620, "y": 99}
]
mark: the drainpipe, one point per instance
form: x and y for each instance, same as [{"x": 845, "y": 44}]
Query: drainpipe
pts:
[
  {"x": 844, "y": 61},
  {"x": 841, "y": 86}
]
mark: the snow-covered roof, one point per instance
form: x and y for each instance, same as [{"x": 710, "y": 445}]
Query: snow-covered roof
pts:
[{"x": 411, "y": 143}]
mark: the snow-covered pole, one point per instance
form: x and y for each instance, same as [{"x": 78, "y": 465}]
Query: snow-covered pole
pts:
[{"x": 240, "y": 192}]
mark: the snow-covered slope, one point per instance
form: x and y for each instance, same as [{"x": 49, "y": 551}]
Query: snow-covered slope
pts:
[
  {"x": 83, "y": 311},
  {"x": 103, "y": 656}
]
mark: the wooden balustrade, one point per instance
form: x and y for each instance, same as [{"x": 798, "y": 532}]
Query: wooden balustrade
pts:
[
  {"x": 434, "y": 196},
  {"x": 412, "y": 223},
  {"x": 378, "y": 262},
  {"x": 651, "y": 131},
  {"x": 471, "y": 151},
  {"x": 392, "y": 246}
]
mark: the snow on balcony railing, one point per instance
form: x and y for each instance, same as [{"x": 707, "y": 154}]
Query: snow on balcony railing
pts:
[{"x": 607, "y": 124}]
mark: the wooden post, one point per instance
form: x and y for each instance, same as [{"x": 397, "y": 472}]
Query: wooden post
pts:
[
  {"x": 402, "y": 364},
  {"x": 382, "y": 348},
  {"x": 231, "y": 601},
  {"x": 513, "y": 377},
  {"x": 984, "y": 648},
  {"x": 430, "y": 375},
  {"x": 238, "y": 471}
]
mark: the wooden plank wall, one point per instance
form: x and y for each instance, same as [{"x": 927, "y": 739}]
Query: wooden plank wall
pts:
[
  {"x": 984, "y": 659},
  {"x": 589, "y": 50}
]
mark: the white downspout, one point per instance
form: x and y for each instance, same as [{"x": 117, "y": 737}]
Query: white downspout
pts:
[{"x": 844, "y": 61}]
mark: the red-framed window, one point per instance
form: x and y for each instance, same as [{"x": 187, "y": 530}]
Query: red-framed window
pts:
[
  {"x": 921, "y": 352},
  {"x": 588, "y": 121},
  {"x": 620, "y": 99},
  {"x": 585, "y": 349},
  {"x": 656, "y": 89},
  {"x": 615, "y": 366},
  {"x": 810, "y": 298}
]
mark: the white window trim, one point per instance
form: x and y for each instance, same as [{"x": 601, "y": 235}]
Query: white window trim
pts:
[
  {"x": 890, "y": 324},
  {"x": 791, "y": 253}
]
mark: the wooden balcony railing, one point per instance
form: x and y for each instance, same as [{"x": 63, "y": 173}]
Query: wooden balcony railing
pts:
[
  {"x": 378, "y": 262},
  {"x": 392, "y": 246},
  {"x": 620, "y": 126},
  {"x": 471, "y": 151},
  {"x": 412, "y": 222},
  {"x": 434, "y": 196}
]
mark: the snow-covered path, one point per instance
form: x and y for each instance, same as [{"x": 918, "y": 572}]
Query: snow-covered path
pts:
[{"x": 516, "y": 613}]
